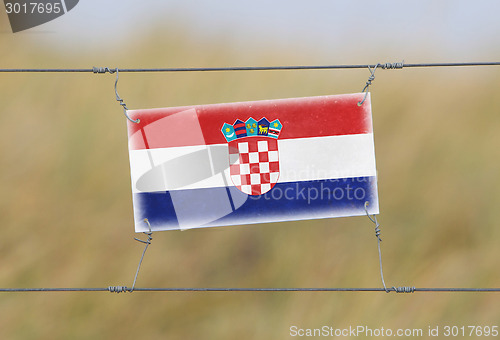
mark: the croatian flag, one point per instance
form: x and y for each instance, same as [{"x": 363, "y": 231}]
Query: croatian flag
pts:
[{"x": 252, "y": 162}]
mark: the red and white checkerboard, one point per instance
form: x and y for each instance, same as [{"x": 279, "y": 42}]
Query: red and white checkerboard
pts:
[{"x": 254, "y": 164}]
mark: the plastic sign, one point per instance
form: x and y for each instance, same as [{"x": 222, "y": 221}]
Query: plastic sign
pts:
[{"x": 252, "y": 162}]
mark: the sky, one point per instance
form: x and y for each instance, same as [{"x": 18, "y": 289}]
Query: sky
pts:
[{"x": 427, "y": 30}]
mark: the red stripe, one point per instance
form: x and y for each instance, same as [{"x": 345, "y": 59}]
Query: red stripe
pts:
[{"x": 300, "y": 117}]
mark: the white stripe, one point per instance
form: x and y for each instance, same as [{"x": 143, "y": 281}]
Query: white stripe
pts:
[
  {"x": 326, "y": 157},
  {"x": 301, "y": 159}
]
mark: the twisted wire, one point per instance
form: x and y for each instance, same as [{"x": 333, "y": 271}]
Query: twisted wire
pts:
[
  {"x": 104, "y": 70},
  {"x": 118, "y": 99},
  {"x": 379, "y": 239},
  {"x": 377, "y": 234},
  {"x": 120, "y": 289},
  {"x": 147, "y": 242},
  {"x": 248, "y": 68},
  {"x": 404, "y": 289},
  {"x": 392, "y": 66},
  {"x": 368, "y": 83}
]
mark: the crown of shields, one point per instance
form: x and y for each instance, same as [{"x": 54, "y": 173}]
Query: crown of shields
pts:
[{"x": 253, "y": 154}]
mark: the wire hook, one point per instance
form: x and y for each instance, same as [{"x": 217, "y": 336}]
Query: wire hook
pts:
[
  {"x": 147, "y": 243},
  {"x": 122, "y": 289},
  {"x": 118, "y": 99},
  {"x": 377, "y": 234},
  {"x": 368, "y": 83}
]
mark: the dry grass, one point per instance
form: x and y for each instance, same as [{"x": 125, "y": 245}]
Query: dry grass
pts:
[{"x": 66, "y": 217}]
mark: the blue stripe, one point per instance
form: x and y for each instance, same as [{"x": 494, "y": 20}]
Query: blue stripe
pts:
[{"x": 229, "y": 206}]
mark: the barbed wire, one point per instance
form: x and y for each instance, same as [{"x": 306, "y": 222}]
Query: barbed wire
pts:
[
  {"x": 397, "y": 65},
  {"x": 121, "y": 289}
]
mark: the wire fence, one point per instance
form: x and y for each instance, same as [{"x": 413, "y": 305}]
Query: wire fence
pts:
[
  {"x": 123, "y": 289},
  {"x": 371, "y": 67},
  {"x": 397, "y": 65}
]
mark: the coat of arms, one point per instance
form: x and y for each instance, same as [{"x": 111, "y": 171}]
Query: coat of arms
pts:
[{"x": 253, "y": 154}]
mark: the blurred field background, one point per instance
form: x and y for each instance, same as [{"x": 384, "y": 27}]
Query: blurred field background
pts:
[{"x": 66, "y": 210}]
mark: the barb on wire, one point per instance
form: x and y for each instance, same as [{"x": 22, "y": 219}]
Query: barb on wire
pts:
[
  {"x": 104, "y": 70},
  {"x": 118, "y": 289},
  {"x": 392, "y": 66}
]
